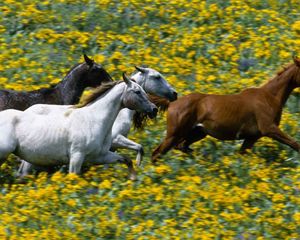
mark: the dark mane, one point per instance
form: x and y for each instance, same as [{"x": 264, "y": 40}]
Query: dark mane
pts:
[
  {"x": 279, "y": 75},
  {"x": 97, "y": 93},
  {"x": 140, "y": 119},
  {"x": 76, "y": 65},
  {"x": 284, "y": 68}
]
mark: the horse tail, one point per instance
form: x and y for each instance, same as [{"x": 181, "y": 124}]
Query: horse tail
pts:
[{"x": 8, "y": 141}]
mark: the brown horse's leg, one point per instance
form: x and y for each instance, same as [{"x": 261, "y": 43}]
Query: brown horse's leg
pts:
[
  {"x": 247, "y": 144},
  {"x": 192, "y": 136},
  {"x": 275, "y": 133},
  {"x": 164, "y": 147}
]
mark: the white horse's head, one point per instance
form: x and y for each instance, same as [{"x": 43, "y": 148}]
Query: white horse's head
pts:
[
  {"x": 135, "y": 98},
  {"x": 154, "y": 83}
]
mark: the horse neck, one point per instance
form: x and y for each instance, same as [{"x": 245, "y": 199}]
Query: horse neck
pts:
[
  {"x": 72, "y": 87},
  {"x": 140, "y": 79},
  {"x": 109, "y": 105},
  {"x": 282, "y": 85}
]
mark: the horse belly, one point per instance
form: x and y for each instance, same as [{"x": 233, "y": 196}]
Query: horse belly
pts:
[
  {"x": 232, "y": 131},
  {"x": 52, "y": 154},
  {"x": 222, "y": 133},
  {"x": 42, "y": 144},
  {"x": 42, "y": 159}
]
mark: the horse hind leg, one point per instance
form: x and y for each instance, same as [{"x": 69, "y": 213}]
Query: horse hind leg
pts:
[
  {"x": 164, "y": 147},
  {"x": 6, "y": 148},
  {"x": 179, "y": 122},
  {"x": 195, "y": 134},
  {"x": 76, "y": 161}
]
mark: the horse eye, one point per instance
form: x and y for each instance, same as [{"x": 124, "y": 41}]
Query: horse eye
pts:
[
  {"x": 138, "y": 92},
  {"x": 157, "y": 77}
]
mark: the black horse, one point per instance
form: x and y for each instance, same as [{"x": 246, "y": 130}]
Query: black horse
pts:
[{"x": 66, "y": 92}]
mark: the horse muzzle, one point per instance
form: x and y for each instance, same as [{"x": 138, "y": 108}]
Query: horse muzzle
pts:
[
  {"x": 173, "y": 96},
  {"x": 153, "y": 113}
]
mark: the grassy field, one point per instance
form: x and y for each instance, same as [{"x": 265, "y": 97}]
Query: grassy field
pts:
[{"x": 206, "y": 46}]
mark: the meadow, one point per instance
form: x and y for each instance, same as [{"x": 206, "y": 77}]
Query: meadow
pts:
[{"x": 206, "y": 46}]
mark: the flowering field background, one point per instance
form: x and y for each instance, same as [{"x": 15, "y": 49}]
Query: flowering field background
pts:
[{"x": 208, "y": 46}]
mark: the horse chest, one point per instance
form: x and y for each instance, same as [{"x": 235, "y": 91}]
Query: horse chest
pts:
[
  {"x": 122, "y": 123},
  {"x": 121, "y": 127}
]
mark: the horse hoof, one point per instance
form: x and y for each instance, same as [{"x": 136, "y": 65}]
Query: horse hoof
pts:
[
  {"x": 188, "y": 150},
  {"x": 133, "y": 177},
  {"x": 21, "y": 180},
  {"x": 154, "y": 162}
]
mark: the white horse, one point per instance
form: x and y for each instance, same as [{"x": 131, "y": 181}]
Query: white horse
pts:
[
  {"x": 58, "y": 135},
  {"x": 153, "y": 83}
]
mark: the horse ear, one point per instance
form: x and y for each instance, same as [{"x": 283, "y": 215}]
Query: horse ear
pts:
[
  {"x": 126, "y": 79},
  {"x": 88, "y": 61},
  {"x": 141, "y": 69},
  {"x": 296, "y": 61}
]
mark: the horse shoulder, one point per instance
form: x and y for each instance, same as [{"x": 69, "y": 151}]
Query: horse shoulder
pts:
[{"x": 122, "y": 124}]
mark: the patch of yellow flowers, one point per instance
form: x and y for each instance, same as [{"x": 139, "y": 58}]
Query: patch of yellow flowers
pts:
[{"x": 208, "y": 46}]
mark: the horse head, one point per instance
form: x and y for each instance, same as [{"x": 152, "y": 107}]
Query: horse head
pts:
[
  {"x": 135, "y": 98},
  {"x": 154, "y": 83},
  {"x": 95, "y": 73}
]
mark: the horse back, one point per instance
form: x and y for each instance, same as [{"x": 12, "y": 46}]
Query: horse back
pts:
[{"x": 21, "y": 100}]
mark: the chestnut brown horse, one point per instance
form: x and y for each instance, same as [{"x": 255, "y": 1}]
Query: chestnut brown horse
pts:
[{"x": 249, "y": 115}]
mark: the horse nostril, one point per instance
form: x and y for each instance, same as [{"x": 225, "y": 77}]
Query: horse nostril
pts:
[
  {"x": 175, "y": 95},
  {"x": 153, "y": 113}
]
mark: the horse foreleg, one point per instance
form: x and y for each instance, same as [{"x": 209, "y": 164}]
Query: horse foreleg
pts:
[
  {"x": 112, "y": 157},
  {"x": 76, "y": 161},
  {"x": 122, "y": 142},
  {"x": 248, "y": 144},
  {"x": 275, "y": 133},
  {"x": 24, "y": 169}
]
